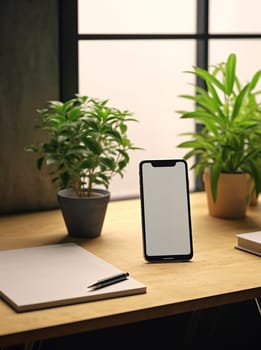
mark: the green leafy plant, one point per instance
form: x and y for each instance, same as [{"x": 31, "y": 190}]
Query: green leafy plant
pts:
[
  {"x": 230, "y": 116},
  {"x": 87, "y": 143}
]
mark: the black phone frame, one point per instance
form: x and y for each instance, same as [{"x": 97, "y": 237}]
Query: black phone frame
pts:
[{"x": 172, "y": 257}]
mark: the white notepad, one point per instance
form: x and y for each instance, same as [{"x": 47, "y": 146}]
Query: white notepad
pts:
[{"x": 55, "y": 275}]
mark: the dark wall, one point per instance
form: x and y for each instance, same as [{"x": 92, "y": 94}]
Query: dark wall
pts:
[{"x": 29, "y": 77}]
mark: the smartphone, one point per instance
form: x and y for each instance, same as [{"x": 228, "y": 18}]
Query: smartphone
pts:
[{"x": 165, "y": 210}]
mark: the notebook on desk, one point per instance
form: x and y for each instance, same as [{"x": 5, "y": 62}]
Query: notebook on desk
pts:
[{"x": 58, "y": 274}]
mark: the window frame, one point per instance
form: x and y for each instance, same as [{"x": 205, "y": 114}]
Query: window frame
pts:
[{"x": 69, "y": 38}]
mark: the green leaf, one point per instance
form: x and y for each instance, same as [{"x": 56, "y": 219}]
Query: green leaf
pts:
[
  {"x": 88, "y": 163},
  {"x": 114, "y": 133},
  {"x": 55, "y": 118},
  {"x": 40, "y": 162},
  {"x": 65, "y": 179},
  {"x": 108, "y": 163},
  {"x": 215, "y": 173},
  {"x": 123, "y": 128},
  {"x": 74, "y": 113},
  {"x": 67, "y": 106},
  {"x": 254, "y": 80},
  {"x": 209, "y": 78},
  {"x": 92, "y": 145},
  {"x": 90, "y": 124},
  {"x": 213, "y": 92},
  {"x": 230, "y": 73},
  {"x": 238, "y": 102}
]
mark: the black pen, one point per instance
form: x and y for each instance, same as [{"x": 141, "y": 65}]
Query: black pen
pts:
[{"x": 109, "y": 280}]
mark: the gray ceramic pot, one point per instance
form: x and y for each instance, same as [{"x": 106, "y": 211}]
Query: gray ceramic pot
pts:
[{"x": 83, "y": 216}]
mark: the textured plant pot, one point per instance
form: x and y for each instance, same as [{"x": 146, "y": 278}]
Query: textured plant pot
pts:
[
  {"x": 253, "y": 199},
  {"x": 83, "y": 216},
  {"x": 233, "y": 195}
]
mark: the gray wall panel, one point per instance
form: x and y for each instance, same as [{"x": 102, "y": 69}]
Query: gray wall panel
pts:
[{"x": 29, "y": 76}]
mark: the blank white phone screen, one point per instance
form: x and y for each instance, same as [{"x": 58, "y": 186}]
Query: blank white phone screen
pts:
[{"x": 166, "y": 209}]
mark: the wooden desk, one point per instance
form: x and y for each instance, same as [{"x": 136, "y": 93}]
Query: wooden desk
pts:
[{"x": 218, "y": 274}]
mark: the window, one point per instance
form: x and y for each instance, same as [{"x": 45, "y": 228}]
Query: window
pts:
[{"x": 134, "y": 53}]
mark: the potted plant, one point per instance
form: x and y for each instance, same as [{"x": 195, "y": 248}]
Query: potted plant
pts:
[
  {"x": 86, "y": 145},
  {"x": 227, "y": 147}
]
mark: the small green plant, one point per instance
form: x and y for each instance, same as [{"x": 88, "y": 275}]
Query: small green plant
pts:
[
  {"x": 87, "y": 143},
  {"x": 230, "y": 116}
]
